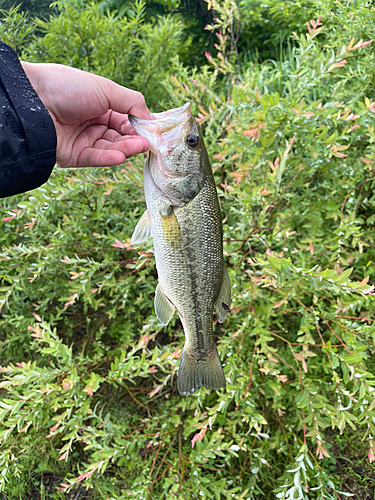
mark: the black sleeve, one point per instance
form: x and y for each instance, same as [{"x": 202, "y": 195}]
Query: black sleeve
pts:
[{"x": 27, "y": 132}]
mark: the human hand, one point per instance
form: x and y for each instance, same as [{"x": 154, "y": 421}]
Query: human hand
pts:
[{"x": 90, "y": 115}]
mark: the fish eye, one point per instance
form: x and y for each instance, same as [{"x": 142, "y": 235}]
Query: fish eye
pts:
[{"x": 192, "y": 140}]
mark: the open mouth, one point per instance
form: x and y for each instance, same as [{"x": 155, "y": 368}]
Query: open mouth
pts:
[{"x": 166, "y": 128}]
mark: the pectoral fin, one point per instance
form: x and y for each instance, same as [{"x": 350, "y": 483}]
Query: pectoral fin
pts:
[
  {"x": 142, "y": 231},
  {"x": 163, "y": 307},
  {"x": 171, "y": 229},
  {"x": 222, "y": 304}
]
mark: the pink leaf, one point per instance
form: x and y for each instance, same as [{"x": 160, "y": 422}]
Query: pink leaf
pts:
[
  {"x": 119, "y": 244},
  {"x": 208, "y": 56},
  {"x": 155, "y": 391},
  {"x": 86, "y": 475},
  {"x": 177, "y": 354},
  {"x": 88, "y": 390},
  {"x": 195, "y": 439}
]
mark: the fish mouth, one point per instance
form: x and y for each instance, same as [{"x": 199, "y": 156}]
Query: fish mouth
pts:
[{"x": 165, "y": 127}]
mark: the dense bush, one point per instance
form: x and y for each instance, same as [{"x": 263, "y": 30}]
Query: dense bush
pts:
[
  {"x": 129, "y": 50},
  {"x": 88, "y": 374}
]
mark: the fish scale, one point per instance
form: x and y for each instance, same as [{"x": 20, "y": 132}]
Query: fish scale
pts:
[{"x": 183, "y": 217}]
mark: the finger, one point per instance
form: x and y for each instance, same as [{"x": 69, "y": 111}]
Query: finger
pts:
[
  {"x": 94, "y": 133},
  {"x": 111, "y": 135},
  {"x": 94, "y": 157},
  {"x": 100, "y": 158},
  {"x": 121, "y": 143},
  {"x": 125, "y": 100},
  {"x": 127, "y": 129},
  {"x": 120, "y": 122},
  {"x": 115, "y": 121}
]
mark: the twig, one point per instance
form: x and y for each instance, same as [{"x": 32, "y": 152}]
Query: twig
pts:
[
  {"x": 136, "y": 400},
  {"x": 367, "y": 242},
  {"x": 250, "y": 379},
  {"x": 356, "y": 317},
  {"x": 163, "y": 461},
  {"x": 338, "y": 338},
  {"x": 353, "y": 189}
]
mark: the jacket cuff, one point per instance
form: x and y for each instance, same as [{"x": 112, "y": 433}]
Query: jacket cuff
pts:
[{"x": 29, "y": 138}]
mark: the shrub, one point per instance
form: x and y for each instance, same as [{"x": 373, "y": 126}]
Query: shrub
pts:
[
  {"x": 89, "y": 373},
  {"x": 128, "y": 50}
]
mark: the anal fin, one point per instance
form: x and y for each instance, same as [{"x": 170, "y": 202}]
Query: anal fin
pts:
[
  {"x": 143, "y": 230},
  {"x": 163, "y": 307},
  {"x": 222, "y": 304}
]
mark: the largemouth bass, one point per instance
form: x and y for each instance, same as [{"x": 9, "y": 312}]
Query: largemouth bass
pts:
[{"x": 183, "y": 217}]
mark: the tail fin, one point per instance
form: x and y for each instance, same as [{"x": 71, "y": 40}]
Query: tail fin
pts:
[{"x": 194, "y": 372}]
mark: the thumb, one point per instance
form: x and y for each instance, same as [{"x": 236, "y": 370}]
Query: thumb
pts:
[{"x": 124, "y": 100}]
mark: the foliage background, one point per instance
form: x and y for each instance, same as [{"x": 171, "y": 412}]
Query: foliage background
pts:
[{"x": 88, "y": 399}]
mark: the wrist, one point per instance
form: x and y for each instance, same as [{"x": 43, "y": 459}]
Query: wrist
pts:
[
  {"x": 32, "y": 71},
  {"x": 36, "y": 74}
]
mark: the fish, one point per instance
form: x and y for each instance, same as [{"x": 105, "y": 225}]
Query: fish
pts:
[{"x": 183, "y": 217}]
